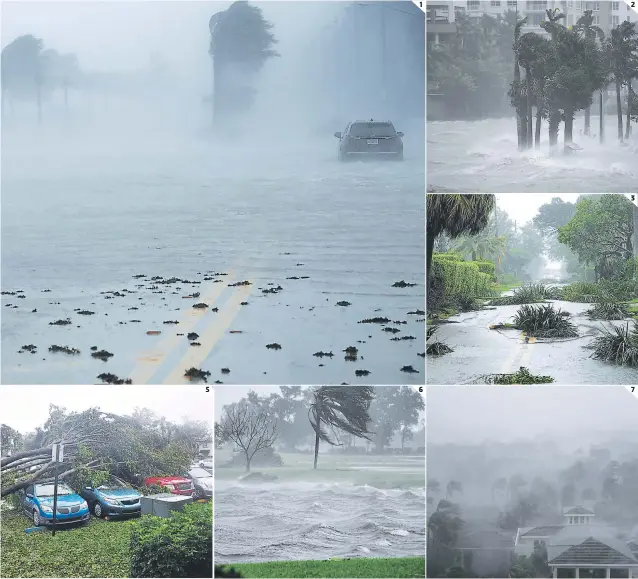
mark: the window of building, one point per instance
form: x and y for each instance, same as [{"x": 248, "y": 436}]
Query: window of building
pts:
[
  {"x": 615, "y": 6},
  {"x": 512, "y": 3},
  {"x": 495, "y": 3},
  {"x": 536, "y": 5},
  {"x": 535, "y": 18},
  {"x": 473, "y": 4},
  {"x": 615, "y": 21},
  {"x": 596, "y": 19}
]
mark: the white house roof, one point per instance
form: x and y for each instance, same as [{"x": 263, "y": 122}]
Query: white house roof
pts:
[
  {"x": 582, "y": 545},
  {"x": 579, "y": 510}
]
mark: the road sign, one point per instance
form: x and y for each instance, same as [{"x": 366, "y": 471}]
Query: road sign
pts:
[{"x": 57, "y": 453}]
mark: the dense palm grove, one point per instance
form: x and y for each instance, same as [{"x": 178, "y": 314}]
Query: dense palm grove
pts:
[{"x": 547, "y": 78}]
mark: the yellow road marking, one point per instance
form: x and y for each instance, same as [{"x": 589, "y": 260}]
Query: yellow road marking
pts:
[
  {"x": 150, "y": 361},
  {"x": 195, "y": 356}
]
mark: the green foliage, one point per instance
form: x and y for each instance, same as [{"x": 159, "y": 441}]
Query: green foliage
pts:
[
  {"x": 438, "y": 349},
  {"x": 100, "y": 549},
  {"x": 608, "y": 311},
  {"x": 617, "y": 344},
  {"x": 178, "y": 546},
  {"x": 602, "y": 291},
  {"x": 358, "y": 567},
  {"x": 600, "y": 233},
  {"x": 487, "y": 267},
  {"x": 522, "y": 567},
  {"x": 523, "y": 376},
  {"x": 528, "y": 294},
  {"x": 543, "y": 321},
  {"x": 462, "y": 278}
]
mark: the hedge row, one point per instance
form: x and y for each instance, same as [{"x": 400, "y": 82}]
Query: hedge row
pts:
[{"x": 462, "y": 278}]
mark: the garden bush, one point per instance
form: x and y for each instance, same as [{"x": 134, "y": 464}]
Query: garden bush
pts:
[
  {"x": 461, "y": 278},
  {"x": 617, "y": 344},
  {"x": 487, "y": 267},
  {"x": 528, "y": 294},
  {"x": 543, "y": 321},
  {"x": 177, "y": 546}
]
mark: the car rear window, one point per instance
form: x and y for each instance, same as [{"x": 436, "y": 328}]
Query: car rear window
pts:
[
  {"x": 372, "y": 130},
  {"x": 184, "y": 486}
]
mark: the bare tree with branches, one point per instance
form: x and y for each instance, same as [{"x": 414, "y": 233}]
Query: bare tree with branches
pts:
[{"x": 249, "y": 429}]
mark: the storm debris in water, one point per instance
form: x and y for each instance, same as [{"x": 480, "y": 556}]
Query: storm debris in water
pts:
[
  {"x": 109, "y": 378},
  {"x": 273, "y": 346},
  {"x": 403, "y": 338},
  {"x": 32, "y": 348},
  {"x": 64, "y": 350},
  {"x": 192, "y": 335},
  {"x": 409, "y": 370},
  {"x": 393, "y": 330},
  {"x": 85, "y": 312},
  {"x": 403, "y": 284},
  {"x": 195, "y": 344},
  {"x": 153, "y": 333},
  {"x": 273, "y": 290},
  {"x": 323, "y": 354},
  {"x": 171, "y": 322},
  {"x": 243, "y": 304},
  {"x": 239, "y": 283},
  {"x": 225, "y": 370},
  {"x": 102, "y": 355},
  {"x": 200, "y": 306},
  {"x": 377, "y": 320},
  {"x": 64, "y": 322},
  {"x": 196, "y": 375},
  {"x": 344, "y": 304},
  {"x": 416, "y": 313},
  {"x": 361, "y": 372}
]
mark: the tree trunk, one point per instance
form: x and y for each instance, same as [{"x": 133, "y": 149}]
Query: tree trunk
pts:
[
  {"x": 619, "y": 106},
  {"x": 601, "y": 121},
  {"x": 430, "y": 251},
  {"x": 539, "y": 120},
  {"x": 473, "y": 255},
  {"x": 628, "y": 129},
  {"x": 248, "y": 463},
  {"x": 318, "y": 425},
  {"x": 554, "y": 122},
  {"x": 216, "y": 85},
  {"x": 569, "y": 126},
  {"x": 39, "y": 103},
  {"x": 519, "y": 118},
  {"x": 587, "y": 121},
  {"x": 528, "y": 79}
]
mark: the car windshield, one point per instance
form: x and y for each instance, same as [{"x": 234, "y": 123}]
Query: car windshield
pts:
[
  {"x": 199, "y": 473},
  {"x": 184, "y": 486},
  {"x": 372, "y": 130},
  {"x": 47, "y": 490}
]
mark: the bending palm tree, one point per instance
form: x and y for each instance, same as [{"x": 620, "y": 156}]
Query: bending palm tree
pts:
[
  {"x": 343, "y": 407},
  {"x": 455, "y": 214}
]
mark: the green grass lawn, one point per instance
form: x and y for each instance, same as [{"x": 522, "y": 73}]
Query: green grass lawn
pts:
[
  {"x": 504, "y": 287},
  {"x": 359, "y": 567},
  {"x": 405, "y": 472},
  {"x": 100, "y": 549}
]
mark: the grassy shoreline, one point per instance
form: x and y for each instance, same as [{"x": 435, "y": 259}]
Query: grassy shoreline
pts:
[{"x": 358, "y": 567}]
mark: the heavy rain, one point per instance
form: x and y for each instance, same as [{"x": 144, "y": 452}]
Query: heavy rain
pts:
[
  {"x": 532, "y": 482},
  {"x": 532, "y": 96},
  {"x": 156, "y": 222}
]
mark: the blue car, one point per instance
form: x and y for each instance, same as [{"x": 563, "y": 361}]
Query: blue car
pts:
[
  {"x": 37, "y": 504},
  {"x": 113, "y": 498}
]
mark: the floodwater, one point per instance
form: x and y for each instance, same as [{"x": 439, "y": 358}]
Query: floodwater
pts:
[
  {"x": 483, "y": 156},
  {"x": 479, "y": 351},
  {"x": 82, "y": 216},
  {"x": 269, "y": 522}
]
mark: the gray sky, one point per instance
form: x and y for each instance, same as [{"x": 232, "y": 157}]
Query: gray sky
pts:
[
  {"x": 523, "y": 207},
  {"x": 120, "y": 35},
  {"x": 25, "y": 407},
  {"x": 475, "y": 413},
  {"x": 229, "y": 394}
]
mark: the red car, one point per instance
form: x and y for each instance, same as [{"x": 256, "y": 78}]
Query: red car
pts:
[{"x": 177, "y": 485}]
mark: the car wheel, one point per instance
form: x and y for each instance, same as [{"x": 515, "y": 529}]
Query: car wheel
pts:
[
  {"x": 97, "y": 510},
  {"x": 36, "y": 518}
]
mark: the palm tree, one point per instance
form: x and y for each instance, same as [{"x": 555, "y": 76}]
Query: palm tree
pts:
[
  {"x": 481, "y": 246},
  {"x": 622, "y": 46},
  {"x": 515, "y": 91},
  {"x": 455, "y": 214},
  {"x": 343, "y": 407},
  {"x": 532, "y": 49},
  {"x": 452, "y": 487},
  {"x": 585, "y": 24}
]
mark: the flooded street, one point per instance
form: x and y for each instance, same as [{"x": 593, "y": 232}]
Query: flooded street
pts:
[
  {"x": 482, "y": 156},
  {"x": 479, "y": 350},
  {"x": 84, "y": 217}
]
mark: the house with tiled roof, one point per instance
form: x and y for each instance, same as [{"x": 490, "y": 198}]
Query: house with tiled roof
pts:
[{"x": 579, "y": 548}]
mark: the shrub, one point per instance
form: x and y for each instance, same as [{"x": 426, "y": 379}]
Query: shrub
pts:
[
  {"x": 462, "y": 278},
  {"x": 528, "y": 294},
  {"x": 608, "y": 311},
  {"x": 178, "y": 546},
  {"x": 618, "y": 345},
  {"x": 523, "y": 376},
  {"x": 544, "y": 322},
  {"x": 487, "y": 267},
  {"x": 223, "y": 571}
]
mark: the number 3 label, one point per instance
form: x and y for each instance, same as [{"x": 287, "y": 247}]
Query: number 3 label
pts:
[{"x": 633, "y": 197}]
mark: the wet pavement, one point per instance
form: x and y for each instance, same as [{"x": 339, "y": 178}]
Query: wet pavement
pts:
[
  {"x": 479, "y": 351},
  {"x": 79, "y": 222}
]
